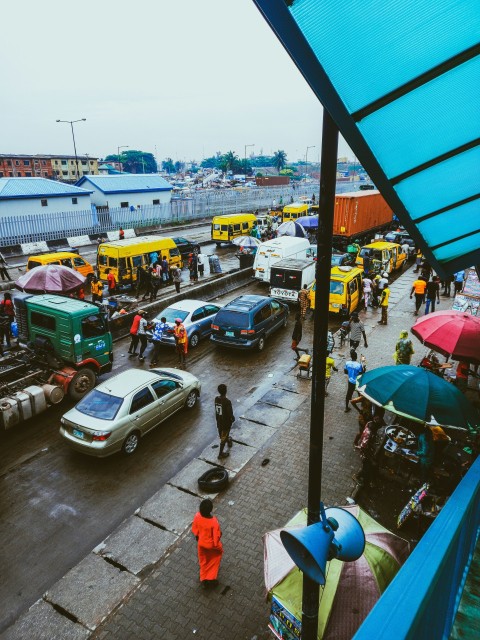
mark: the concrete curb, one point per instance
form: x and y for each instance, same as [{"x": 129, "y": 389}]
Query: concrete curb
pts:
[{"x": 73, "y": 242}]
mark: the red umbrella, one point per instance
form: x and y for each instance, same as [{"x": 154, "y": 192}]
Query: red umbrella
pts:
[
  {"x": 51, "y": 278},
  {"x": 452, "y": 333}
]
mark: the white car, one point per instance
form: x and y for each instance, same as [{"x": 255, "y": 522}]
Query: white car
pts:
[{"x": 116, "y": 414}]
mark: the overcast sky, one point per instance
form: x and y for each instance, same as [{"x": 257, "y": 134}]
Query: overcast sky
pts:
[{"x": 178, "y": 78}]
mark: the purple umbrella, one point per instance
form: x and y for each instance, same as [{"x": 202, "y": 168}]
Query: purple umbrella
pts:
[
  {"x": 51, "y": 278},
  {"x": 308, "y": 222}
]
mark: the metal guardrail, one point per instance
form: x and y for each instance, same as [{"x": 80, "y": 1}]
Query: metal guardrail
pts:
[
  {"x": 34, "y": 227},
  {"x": 423, "y": 598}
]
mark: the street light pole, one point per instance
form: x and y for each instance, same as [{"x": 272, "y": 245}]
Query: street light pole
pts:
[
  {"x": 71, "y": 123},
  {"x": 123, "y": 146},
  {"x": 247, "y": 145},
  {"x": 306, "y": 163}
]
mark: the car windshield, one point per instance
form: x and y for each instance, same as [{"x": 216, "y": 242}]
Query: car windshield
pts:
[
  {"x": 226, "y": 319},
  {"x": 171, "y": 314},
  {"x": 97, "y": 404},
  {"x": 336, "y": 287},
  {"x": 337, "y": 260},
  {"x": 366, "y": 252}
]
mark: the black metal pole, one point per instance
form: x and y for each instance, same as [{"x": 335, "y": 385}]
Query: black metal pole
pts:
[{"x": 328, "y": 172}]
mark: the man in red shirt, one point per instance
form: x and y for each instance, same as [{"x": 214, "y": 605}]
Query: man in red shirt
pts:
[
  {"x": 419, "y": 287},
  {"x": 111, "y": 282}
]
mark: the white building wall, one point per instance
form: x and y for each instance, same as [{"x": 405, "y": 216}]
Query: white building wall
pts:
[
  {"x": 28, "y": 206},
  {"x": 114, "y": 200}
]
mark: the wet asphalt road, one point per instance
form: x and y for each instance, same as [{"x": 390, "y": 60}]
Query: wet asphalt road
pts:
[{"x": 57, "y": 505}]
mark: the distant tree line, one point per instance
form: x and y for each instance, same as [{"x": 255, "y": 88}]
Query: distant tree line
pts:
[{"x": 135, "y": 161}]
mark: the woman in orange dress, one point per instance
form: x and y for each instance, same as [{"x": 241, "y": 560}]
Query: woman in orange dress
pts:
[{"x": 206, "y": 530}]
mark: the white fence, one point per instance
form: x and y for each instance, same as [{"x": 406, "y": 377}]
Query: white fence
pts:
[{"x": 204, "y": 204}]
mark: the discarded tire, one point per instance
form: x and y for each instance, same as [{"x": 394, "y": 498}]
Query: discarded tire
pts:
[{"x": 213, "y": 480}]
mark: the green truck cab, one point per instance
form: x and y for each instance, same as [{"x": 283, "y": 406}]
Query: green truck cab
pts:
[{"x": 71, "y": 336}]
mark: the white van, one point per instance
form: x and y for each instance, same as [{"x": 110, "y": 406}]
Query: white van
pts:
[
  {"x": 289, "y": 276},
  {"x": 272, "y": 251}
]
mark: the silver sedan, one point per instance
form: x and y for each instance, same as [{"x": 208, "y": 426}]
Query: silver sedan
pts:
[{"x": 114, "y": 415}]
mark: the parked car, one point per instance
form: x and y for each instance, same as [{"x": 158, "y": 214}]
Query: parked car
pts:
[
  {"x": 116, "y": 414},
  {"x": 186, "y": 247},
  {"x": 197, "y": 317},
  {"x": 247, "y": 321}
]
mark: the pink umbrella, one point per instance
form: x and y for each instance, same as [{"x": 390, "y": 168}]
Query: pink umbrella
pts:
[
  {"x": 452, "y": 333},
  {"x": 51, "y": 278}
]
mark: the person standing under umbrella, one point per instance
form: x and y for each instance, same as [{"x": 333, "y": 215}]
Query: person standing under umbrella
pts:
[
  {"x": 425, "y": 453},
  {"x": 403, "y": 349},
  {"x": 207, "y": 532}
]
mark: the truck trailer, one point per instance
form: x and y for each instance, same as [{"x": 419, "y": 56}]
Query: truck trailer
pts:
[
  {"x": 63, "y": 345},
  {"x": 359, "y": 215}
]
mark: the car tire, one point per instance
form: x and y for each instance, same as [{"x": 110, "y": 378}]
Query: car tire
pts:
[
  {"x": 130, "y": 444},
  {"x": 213, "y": 480},
  {"x": 194, "y": 340},
  {"x": 82, "y": 382},
  {"x": 261, "y": 343},
  {"x": 191, "y": 400}
]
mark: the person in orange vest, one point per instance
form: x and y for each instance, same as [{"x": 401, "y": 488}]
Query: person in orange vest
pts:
[
  {"x": 132, "y": 349},
  {"x": 111, "y": 283},
  {"x": 96, "y": 288},
  {"x": 181, "y": 341}
]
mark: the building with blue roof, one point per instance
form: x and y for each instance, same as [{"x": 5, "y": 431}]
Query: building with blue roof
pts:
[
  {"x": 25, "y": 196},
  {"x": 127, "y": 190}
]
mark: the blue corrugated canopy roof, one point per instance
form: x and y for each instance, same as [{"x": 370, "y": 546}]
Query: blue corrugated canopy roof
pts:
[
  {"x": 127, "y": 183},
  {"x": 402, "y": 82},
  {"x": 36, "y": 187}
]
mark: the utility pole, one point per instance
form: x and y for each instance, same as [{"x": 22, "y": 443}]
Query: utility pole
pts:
[{"x": 71, "y": 123}]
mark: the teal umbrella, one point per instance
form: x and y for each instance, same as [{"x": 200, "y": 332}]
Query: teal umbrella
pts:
[{"x": 419, "y": 395}]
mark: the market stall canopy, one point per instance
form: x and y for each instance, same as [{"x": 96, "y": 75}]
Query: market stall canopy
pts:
[
  {"x": 351, "y": 588},
  {"x": 418, "y": 395},
  {"x": 51, "y": 278},
  {"x": 452, "y": 333},
  {"x": 409, "y": 107},
  {"x": 291, "y": 228}
]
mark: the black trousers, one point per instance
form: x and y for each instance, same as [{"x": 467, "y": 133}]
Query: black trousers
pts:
[{"x": 350, "y": 390}]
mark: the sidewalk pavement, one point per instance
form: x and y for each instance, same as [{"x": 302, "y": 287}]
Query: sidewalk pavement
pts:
[{"x": 165, "y": 599}]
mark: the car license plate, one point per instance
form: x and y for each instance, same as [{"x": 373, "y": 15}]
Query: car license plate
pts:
[
  {"x": 230, "y": 334},
  {"x": 78, "y": 434}
]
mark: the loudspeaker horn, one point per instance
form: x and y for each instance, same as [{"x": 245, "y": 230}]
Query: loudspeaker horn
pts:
[{"x": 338, "y": 535}]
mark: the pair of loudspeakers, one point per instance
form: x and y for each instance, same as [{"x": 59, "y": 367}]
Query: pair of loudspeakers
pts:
[{"x": 339, "y": 535}]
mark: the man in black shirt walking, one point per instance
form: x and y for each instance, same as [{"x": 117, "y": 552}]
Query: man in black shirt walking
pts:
[
  {"x": 433, "y": 293},
  {"x": 225, "y": 419}
]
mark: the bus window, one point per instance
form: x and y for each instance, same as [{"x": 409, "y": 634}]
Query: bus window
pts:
[{"x": 112, "y": 263}]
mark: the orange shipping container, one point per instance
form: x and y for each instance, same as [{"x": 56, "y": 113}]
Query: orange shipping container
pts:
[{"x": 360, "y": 211}]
